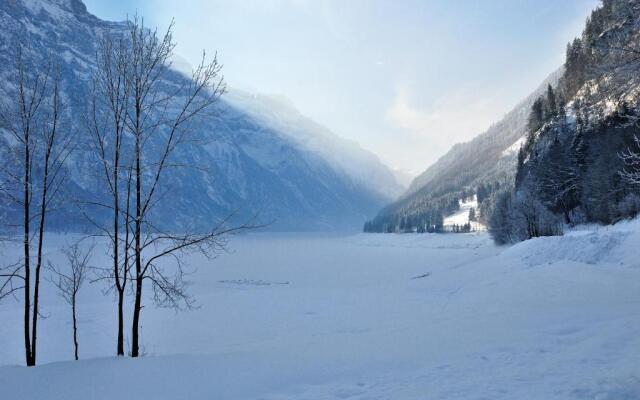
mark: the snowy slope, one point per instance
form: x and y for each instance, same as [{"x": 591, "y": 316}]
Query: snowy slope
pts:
[
  {"x": 461, "y": 217},
  {"x": 489, "y": 156},
  {"x": 365, "y": 317},
  {"x": 489, "y": 159},
  {"x": 280, "y": 115}
]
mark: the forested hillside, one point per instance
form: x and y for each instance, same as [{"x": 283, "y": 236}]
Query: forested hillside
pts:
[
  {"x": 482, "y": 166},
  {"x": 568, "y": 154},
  {"x": 581, "y": 160}
]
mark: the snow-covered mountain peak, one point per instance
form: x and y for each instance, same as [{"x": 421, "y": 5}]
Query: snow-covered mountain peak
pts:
[{"x": 58, "y": 9}]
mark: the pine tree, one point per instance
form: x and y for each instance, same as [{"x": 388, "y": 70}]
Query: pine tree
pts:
[
  {"x": 579, "y": 149},
  {"x": 575, "y": 67},
  {"x": 481, "y": 193},
  {"x": 559, "y": 181},
  {"x": 472, "y": 214},
  {"x": 551, "y": 104},
  {"x": 536, "y": 118},
  {"x": 562, "y": 112},
  {"x": 520, "y": 167},
  {"x": 535, "y": 123}
]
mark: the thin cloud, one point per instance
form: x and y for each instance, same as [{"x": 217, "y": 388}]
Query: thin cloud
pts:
[{"x": 458, "y": 116}]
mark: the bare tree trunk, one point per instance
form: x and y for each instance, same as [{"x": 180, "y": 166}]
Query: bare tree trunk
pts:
[
  {"x": 36, "y": 289},
  {"x": 135, "y": 327},
  {"x": 135, "y": 344},
  {"x": 43, "y": 213},
  {"x": 75, "y": 327},
  {"x": 125, "y": 273},
  {"x": 120, "y": 351},
  {"x": 116, "y": 247},
  {"x": 27, "y": 267},
  {"x": 50, "y": 142}
]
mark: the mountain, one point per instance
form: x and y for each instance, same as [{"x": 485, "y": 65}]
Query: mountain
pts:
[
  {"x": 485, "y": 154},
  {"x": 264, "y": 158},
  {"x": 280, "y": 115},
  {"x": 568, "y": 154},
  {"x": 481, "y": 166},
  {"x": 580, "y": 162}
]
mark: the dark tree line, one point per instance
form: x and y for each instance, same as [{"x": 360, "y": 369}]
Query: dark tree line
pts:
[{"x": 423, "y": 218}]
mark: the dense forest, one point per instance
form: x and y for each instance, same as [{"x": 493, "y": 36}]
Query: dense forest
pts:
[{"x": 579, "y": 162}]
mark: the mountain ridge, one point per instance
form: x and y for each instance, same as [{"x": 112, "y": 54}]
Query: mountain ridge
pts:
[
  {"x": 580, "y": 162},
  {"x": 250, "y": 165},
  {"x": 481, "y": 161}
]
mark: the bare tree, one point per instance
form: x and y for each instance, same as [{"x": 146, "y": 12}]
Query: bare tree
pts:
[
  {"x": 33, "y": 177},
  {"x": 109, "y": 102},
  {"x": 150, "y": 117},
  {"x": 164, "y": 114},
  {"x": 70, "y": 281}
]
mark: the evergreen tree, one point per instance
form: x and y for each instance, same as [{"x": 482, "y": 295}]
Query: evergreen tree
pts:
[
  {"x": 579, "y": 149},
  {"x": 562, "y": 112},
  {"x": 520, "y": 167},
  {"x": 534, "y": 124},
  {"x": 536, "y": 117},
  {"x": 575, "y": 67},
  {"x": 481, "y": 193},
  {"x": 551, "y": 109},
  {"x": 559, "y": 181}
]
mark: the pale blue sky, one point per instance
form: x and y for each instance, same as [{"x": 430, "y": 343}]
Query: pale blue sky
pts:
[{"x": 404, "y": 78}]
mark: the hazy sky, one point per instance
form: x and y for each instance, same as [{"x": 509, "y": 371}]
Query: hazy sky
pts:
[{"x": 404, "y": 78}]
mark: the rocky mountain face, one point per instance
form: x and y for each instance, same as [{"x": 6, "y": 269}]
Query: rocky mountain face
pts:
[{"x": 263, "y": 157}]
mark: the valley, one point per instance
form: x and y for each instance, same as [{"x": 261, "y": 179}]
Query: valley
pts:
[{"x": 290, "y": 200}]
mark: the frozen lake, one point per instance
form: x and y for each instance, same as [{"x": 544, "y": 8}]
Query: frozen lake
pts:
[{"x": 360, "y": 317}]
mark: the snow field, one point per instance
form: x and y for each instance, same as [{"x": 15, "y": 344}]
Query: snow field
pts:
[{"x": 364, "y": 317}]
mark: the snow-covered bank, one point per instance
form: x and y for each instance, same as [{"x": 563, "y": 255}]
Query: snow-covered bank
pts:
[
  {"x": 593, "y": 244},
  {"x": 366, "y": 317}
]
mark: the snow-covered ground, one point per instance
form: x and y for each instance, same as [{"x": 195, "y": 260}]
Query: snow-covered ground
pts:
[
  {"x": 364, "y": 317},
  {"x": 461, "y": 216}
]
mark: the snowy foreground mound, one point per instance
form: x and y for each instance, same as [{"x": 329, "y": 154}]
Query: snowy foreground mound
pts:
[{"x": 366, "y": 317}]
